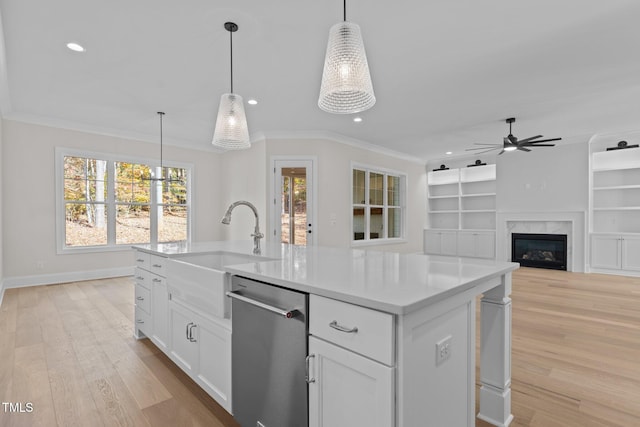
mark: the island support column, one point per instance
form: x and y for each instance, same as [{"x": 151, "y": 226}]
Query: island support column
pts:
[{"x": 495, "y": 354}]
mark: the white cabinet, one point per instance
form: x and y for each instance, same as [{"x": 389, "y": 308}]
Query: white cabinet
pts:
[
  {"x": 351, "y": 365},
  {"x": 348, "y": 390},
  {"x": 202, "y": 349},
  {"x": 181, "y": 321},
  {"x": 614, "y": 220},
  {"x": 462, "y": 212},
  {"x": 440, "y": 242},
  {"x": 477, "y": 244},
  {"x": 617, "y": 253}
]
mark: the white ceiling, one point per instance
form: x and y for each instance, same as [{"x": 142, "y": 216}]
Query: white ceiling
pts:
[{"x": 446, "y": 72}]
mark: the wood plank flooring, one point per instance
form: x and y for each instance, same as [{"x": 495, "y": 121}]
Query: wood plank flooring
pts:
[{"x": 69, "y": 350}]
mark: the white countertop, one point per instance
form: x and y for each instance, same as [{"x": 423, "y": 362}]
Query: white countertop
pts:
[{"x": 386, "y": 281}]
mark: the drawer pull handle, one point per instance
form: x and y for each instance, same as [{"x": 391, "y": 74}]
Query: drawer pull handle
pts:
[
  {"x": 157, "y": 265},
  {"x": 139, "y": 278},
  {"x": 140, "y": 298},
  {"x": 140, "y": 321},
  {"x": 341, "y": 328},
  {"x": 156, "y": 280},
  {"x": 139, "y": 260}
]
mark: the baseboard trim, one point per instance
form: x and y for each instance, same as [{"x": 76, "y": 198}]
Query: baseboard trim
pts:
[{"x": 71, "y": 276}]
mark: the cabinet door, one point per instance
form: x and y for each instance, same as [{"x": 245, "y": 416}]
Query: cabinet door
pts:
[
  {"x": 432, "y": 242},
  {"x": 449, "y": 243},
  {"x": 631, "y": 253},
  {"x": 160, "y": 312},
  {"x": 486, "y": 245},
  {"x": 214, "y": 356},
  {"x": 184, "y": 347},
  {"x": 467, "y": 243},
  {"x": 349, "y": 390},
  {"x": 605, "y": 252}
]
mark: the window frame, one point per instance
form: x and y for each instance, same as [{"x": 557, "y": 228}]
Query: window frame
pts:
[
  {"x": 403, "y": 190},
  {"x": 110, "y": 202}
]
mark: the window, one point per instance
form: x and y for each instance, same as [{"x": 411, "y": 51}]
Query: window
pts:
[
  {"x": 378, "y": 198},
  {"x": 106, "y": 203}
]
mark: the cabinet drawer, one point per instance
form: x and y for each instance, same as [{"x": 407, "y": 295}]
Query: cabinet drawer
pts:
[
  {"x": 142, "y": 259},
  {"x": 142, "y": 322},
  {"x": 374, "y": 337},
  {"x": 142, "y": 278},
  {"x": 143, "y": 298},
  {"x": 157, "y": 265}
]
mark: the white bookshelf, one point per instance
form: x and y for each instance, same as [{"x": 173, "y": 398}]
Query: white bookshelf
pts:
[
  {"x": 462, "y": 206},
  {"x": 614, "y": 205}
]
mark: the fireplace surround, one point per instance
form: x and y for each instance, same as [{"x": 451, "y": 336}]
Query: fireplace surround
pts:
[{"x": 539, "y": 250}]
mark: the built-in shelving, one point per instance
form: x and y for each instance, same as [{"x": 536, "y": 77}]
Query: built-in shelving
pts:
[
  {"x": 462, "y": 208},
  {"x": 614, "y": 205}
]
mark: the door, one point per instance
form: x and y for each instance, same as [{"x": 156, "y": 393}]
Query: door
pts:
[
  {"x": 605, "y": 251},
  {"x": 214, "y": 361},
  {"x": 292, "y": 215},
  {"x": 348, "y": 390},
  {"x": 184, "y": 347},
  {"x": 631, "y": 253}
]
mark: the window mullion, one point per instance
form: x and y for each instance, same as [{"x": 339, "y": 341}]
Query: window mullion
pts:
[
  {"x": 367, "y": 207},
  {"x": 385, "y": 206},
  {"x": 111, "y": 203}
]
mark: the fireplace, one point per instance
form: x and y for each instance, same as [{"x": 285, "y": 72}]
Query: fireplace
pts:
[{"x": 539, "y": 250}]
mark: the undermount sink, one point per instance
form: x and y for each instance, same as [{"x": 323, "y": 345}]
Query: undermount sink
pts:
[
  {"x": 217, "y": 260},
  {"x": 199, "y": 279}
]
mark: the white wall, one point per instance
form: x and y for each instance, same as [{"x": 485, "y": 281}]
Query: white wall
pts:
[
  {"x": 545, "y": 179},
  {"x": 1, "y": 210},
  {"x": 242, "y": 177},
  {"x": 28, "y": 195},
  {"x": 334, "y": 192}
]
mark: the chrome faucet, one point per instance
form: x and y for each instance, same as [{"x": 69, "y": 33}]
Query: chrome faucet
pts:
[{"x": 257, "y": 235}]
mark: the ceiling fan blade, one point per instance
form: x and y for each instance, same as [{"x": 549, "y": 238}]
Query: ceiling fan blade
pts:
[
  {"x": 482, "y": 143},
  {"x": 520, "y": 141},
  {"x": 537, "y": 145},
  {"x": 501, "y": 152},
  {"x": 483, "y": 148},
  {"x": 523, "y": 149},
  {"x": 486, "y": 151},
  {"x": 546, "y": 140}
]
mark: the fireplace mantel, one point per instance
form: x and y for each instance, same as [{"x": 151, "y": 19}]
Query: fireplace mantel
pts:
[{"x": 571, "y": 223}]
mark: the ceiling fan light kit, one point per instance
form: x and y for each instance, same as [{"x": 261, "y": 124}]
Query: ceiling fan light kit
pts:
[
  {"x": 511, "y": 143},
  {"x": 346, "y": 86},
  {"x": 231, "y": 132}
]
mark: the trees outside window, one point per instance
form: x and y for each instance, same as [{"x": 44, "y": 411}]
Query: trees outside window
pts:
[{"x": 109, "y": 203}]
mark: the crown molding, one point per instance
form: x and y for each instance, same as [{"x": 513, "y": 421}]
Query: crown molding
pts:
[{"x": 342, "y": 139}]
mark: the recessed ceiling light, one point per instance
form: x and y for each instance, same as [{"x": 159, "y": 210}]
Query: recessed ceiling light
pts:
[
  {"x": 75, "y": 47},
  {"x": 357, "y": 119},
  {"x": 449, "y": 152},
  {"x": 252, "y": 102}
]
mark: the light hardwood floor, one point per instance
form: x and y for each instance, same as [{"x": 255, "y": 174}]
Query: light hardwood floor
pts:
[{"x": 68, "y": 349}]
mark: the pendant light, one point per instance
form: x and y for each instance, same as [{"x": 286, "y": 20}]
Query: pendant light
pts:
[
  {"x": 346, "y": 83},
  {"x": 161, "y": 177},
  {"x": 231, "y": 131}
]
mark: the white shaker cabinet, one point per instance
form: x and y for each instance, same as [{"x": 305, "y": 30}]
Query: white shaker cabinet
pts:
[
  {"x": 477, "y": 244},
  {"x": 348, "y": 390},
  {"x": 615, "y": 252},
  {"x": 203, "y": 350},
  {"x": 440, "y": 242},
  {"x": 350, "y": 365}
]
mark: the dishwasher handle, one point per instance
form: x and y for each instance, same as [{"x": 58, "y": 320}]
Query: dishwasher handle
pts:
[{"x": 287, "y": 314}]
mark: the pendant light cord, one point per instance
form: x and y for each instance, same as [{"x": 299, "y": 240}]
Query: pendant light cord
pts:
[
  {"x": 344, "y": 10},
  {"x": 231, "y": 50}
]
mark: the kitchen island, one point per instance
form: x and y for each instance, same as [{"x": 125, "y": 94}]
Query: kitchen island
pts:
[{"x": 412, "y": 360}]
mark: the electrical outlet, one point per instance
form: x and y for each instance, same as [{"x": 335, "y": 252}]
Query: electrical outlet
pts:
[{"x": 443, "y": 349}]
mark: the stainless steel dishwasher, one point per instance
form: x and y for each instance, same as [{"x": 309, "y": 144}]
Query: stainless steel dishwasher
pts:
[{"x": 268, "y": 350}]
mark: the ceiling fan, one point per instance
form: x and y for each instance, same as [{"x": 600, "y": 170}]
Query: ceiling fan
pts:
[{"x": 511, "y": 143}]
